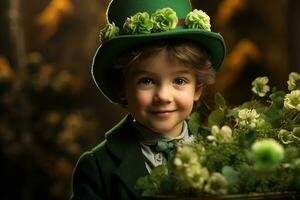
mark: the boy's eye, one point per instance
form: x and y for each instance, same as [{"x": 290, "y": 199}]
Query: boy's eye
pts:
[
  {"x": 180, "y": 81},
  {"x": 145, "y": 81}
]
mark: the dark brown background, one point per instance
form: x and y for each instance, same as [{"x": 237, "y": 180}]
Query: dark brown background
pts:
[{"x": 50, "y": 109}]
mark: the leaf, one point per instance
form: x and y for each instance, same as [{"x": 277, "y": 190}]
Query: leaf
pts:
[
  {"x": 195, "y": 116},
  {"x": 149, "y": 192},
  {"x": 277, "y": 98},
  {"x": 231, "y": 175},
  {"x": 158, "y": 173},
  {"x": 146, "y": 186},
  {"x": 248, "y": 178},
  {"x": 250, "y": 136},
  {"x": 216, "y": 117},
  {"x": 204, "y": 131},
  {"x": 247, "y": 139},
  {"x": 247, "y": 104},
  {"x": 274, "y": 115},
  {"x": 203, "y": 108},
  {"x": 233, "y": 113},
  {"x": 219, "y": 100},
  {"x": 168, "y": 185},
  {"x": 193, "y": 127},
  {"x": 143, "y": 183}
]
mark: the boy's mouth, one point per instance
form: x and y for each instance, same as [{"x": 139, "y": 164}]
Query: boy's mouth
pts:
[{"x": 162, "y": 113}]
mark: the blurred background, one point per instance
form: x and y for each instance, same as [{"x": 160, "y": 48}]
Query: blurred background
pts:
[{"x": 50, "y": 109}]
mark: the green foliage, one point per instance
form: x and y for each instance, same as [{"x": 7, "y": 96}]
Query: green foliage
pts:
[
  {"x": 203, "y": 108},
  {"x": 253, "y": 147},
  {"x": 194, "y": 122},
  {"x": 149, "y": 185},
  {"x": 220, "y": 101},
  {"x": 144, "y": 184},
  {"x": 216, "y": 117},
  {"x": 230, "y": 174}
]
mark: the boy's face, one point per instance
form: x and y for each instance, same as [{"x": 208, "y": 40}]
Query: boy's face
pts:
[{"x": 160, "y": 93}]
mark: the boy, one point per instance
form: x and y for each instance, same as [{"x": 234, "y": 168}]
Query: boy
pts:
[{"x": 155, "y": 67}]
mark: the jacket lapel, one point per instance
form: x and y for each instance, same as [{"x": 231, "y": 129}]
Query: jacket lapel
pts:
[
  {"x": 123, "y": 143},
  {"x": 130, "y": 170}
]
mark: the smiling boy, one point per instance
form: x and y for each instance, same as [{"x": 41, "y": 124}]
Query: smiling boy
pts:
[
  {"x": 160, "y": 93},
  {"x": 156, "y": 67},
  {"x": 160, "y": 84}
]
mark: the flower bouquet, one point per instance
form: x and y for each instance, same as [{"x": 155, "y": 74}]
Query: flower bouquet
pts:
[{"x": 251, "y": 151}]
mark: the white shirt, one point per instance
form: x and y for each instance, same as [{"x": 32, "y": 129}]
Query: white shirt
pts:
[{"x": 148, "y": 139}]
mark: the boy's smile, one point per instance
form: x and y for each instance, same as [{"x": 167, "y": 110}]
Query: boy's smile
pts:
[{"x": 160, "y": 93}]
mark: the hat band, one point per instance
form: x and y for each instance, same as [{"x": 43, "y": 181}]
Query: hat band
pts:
[
  {"x": 181, "y": 22},
  {"x": 163, "y": 20}
]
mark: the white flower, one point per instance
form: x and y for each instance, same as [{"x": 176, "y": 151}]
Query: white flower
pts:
[
  {"x": 211, "y": 138},
  {"x": 294, "y": 81},
  {"x": 292, "y": 100},
  {"x": 248, "y": 117},
  {"x": 184, "y": 156},
  {"x": 216, "y": 184},
  {"x": 190, "y": 173},
  {"x": 197, "y": 175},
  {"x": 285, "y": 136},
  {"x": 260, "y": 86},
  {"x": 178, "y": 162},
  {"x": 220, "y": 135}
]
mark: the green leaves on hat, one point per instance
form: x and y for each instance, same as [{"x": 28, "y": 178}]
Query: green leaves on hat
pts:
[
  {"x": 163, "y": 20},
  {"x": 108, "y": 32},
  {"x": 138, "y": 23},
  {"x": 198, "y": 19}
]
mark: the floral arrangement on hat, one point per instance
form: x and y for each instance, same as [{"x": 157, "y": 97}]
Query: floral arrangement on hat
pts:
[
  {"x": 162, "y": 20},
  {"x": 139, "y": 23},
  {"x": 198, "y": 19},
  {"x": 253, "y": 147}
]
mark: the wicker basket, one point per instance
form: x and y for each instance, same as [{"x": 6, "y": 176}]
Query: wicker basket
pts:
[{"x": 254, "y": 196}]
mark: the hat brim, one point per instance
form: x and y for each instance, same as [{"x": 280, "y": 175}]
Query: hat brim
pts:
[{"x": 107, "y": 53}]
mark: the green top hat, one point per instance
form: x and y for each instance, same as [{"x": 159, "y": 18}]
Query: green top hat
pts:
[{"x": 131, "y": 23}]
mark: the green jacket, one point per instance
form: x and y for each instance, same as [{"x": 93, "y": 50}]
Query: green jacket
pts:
[{"x": 110, "y": 170}]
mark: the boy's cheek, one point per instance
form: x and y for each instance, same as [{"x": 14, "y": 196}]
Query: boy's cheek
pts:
[
  {"x": 185, "y": 100},
  {"x": 143, "y": 100},
  {"x": 140, "y": 99}
]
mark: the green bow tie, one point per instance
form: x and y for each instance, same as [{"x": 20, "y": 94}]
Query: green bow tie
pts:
[{"x": 166, "y": 147}]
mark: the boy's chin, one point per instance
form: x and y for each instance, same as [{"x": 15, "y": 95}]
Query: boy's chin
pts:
[{"x": 167, "y": 130}]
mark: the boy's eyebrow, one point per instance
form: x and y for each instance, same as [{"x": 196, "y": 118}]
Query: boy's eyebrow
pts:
[{"x": 141, "y": 71}]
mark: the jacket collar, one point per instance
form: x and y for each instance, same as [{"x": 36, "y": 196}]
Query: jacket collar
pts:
[{"x": 123, "y": 143}]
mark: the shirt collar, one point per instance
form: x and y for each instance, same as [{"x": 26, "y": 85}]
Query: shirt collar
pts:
[{"x": 148, "y": 137}]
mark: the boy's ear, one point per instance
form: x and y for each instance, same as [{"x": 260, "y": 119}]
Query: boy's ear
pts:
[
  {"x": 198, "y": 93},
  {"x": 122, "y": 93},
  {"x": 123, "y": 97},
  {"x": 123, "y": 101}
]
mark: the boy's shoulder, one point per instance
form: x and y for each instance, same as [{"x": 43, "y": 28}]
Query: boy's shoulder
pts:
[
  {"x": 116, "y": 143},
  {"x": 118, "y": 138}
]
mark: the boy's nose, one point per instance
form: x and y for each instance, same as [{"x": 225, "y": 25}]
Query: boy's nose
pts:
[{"x": 163, "y": 95}]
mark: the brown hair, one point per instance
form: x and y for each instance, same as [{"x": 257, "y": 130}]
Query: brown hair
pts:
[{"x": 186, "y": 52}]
